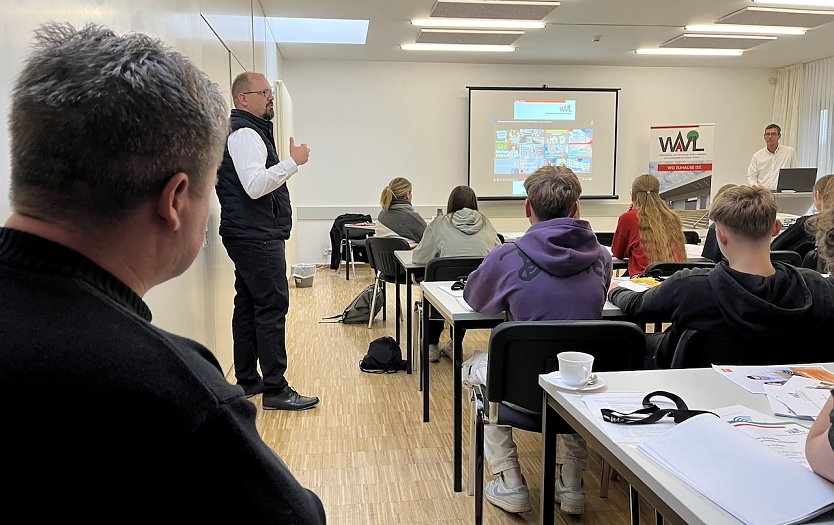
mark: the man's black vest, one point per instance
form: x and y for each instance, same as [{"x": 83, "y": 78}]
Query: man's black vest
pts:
[{"x": 267, "y": 218}]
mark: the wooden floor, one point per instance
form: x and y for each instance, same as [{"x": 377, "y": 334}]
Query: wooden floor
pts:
[{"x": 365, "y": 450}]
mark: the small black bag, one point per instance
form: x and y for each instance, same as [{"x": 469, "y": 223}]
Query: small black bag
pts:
[{"x": 384, "y": 357}]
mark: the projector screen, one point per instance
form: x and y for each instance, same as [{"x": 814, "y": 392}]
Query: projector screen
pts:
[{"x": 515, "y": 131}]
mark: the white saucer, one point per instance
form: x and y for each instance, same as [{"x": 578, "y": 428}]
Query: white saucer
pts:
[{"x": 555, "y": 378}]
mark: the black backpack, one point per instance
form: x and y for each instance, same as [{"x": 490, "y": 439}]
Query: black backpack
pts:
[
  {"x": 384, "y": 357},
  {"x": 358, "y": 311}
]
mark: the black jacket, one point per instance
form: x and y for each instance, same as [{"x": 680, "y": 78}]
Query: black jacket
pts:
[
  {"x": 337, "y": 232},
  {"x": 795, "y": 238},
  {"x": 266, "y": 218}
]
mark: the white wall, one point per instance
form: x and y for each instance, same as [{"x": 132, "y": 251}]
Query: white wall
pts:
[
  {"x": 367, "y": 122},
  {"x": 223, "y": 37}
]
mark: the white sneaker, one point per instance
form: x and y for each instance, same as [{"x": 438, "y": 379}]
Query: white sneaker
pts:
[
  {"x": 515, "y": 499},
  {"x": 447, "y": 350},
  {"x": 434, "y": 354},
  {"x": 570, "y": 493}
]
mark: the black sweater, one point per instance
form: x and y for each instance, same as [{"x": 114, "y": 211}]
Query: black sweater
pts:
[
  {"x": 793, "y": 300},
  {"x": 109, "y": 418}
]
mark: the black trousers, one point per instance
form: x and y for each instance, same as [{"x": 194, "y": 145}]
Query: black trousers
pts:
[{"x": 262, "y": 300}]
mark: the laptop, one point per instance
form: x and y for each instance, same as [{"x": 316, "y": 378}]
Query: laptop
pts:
[{"x": 796, "y": 180}]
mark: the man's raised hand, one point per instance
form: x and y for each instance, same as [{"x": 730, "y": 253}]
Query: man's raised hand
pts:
[{"x": 300, "y": 154}]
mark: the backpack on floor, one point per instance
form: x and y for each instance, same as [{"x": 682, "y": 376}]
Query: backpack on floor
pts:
[
  {"x": 384, "y": 357},
  {"x": 359, "y": 309}
]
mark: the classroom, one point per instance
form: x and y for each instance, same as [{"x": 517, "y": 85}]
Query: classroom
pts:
[{"x": 373, "y": 111}]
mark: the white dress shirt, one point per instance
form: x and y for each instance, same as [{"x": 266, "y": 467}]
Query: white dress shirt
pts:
[
  {"x": 248, "y": 153},
  {"x": 764, "y": 166}
]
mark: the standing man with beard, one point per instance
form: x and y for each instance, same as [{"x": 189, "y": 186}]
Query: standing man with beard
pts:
[{"x": 255, "y": 222}]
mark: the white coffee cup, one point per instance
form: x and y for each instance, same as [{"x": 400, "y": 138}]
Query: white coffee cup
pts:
[{"x": 575, "y": 367}]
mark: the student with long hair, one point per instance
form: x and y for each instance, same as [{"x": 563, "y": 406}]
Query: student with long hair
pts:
[
  {"x": 797, "y": 237},
  {"x": 462, "y": 232},
  {"x": 649, "y": 231},
  {"x": 398, "y": 216}
]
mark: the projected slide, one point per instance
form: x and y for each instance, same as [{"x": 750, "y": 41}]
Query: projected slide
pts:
[
  {"x": 523, "y": 151},
  {"x": 515, "y": 132}
]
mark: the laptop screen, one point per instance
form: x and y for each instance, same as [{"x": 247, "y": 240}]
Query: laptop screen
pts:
[{"x": 796, "y": 179}]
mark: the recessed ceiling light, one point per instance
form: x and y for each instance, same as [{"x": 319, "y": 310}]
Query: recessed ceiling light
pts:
[
  {"x": 715, "y": 35},
  {"x": 809, "y": 3},
  {"x": 477, "y": 23},
  {"x": 457, "y": 47},
  {"x": 751, "y": 30},
  {"x": 474, "y": 31},
  {"x": 689, "y": 51}
]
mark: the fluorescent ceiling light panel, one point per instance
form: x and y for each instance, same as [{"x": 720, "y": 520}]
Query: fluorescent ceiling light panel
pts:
[
  {"x": 746, "y": 30},
  {"x": 746, "y": 37},
  {"x": 472, "y": 23},
  {"x": 457, "y": 47},
  {"x": 807, "y": 3},
  {"x": 689, "y": 51},
  {"x": 319, "y": 30}
]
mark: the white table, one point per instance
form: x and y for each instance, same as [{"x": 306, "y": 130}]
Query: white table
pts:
[
  {"x": 460, "y": 317},
  {"x": 700, "y": 388}
]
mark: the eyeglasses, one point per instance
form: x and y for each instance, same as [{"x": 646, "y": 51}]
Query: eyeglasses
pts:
[{"x": 266, "y": 93}]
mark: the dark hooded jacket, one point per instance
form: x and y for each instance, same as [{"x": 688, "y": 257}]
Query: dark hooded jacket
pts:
[
  {"x": 557, "y": 270},
  {"x": 721, "y": 299}
]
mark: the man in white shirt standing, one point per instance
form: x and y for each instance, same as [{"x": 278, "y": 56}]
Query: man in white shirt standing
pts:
[
  {"x": 766, "y": 163},
  {"x": 255, "y": 221}
]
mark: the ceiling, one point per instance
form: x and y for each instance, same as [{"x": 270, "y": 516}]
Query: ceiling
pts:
[{"x": 621, "y": 25}]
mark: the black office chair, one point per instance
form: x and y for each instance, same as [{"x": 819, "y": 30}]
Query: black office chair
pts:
[
  {"x": 352, "y": 247},
  {"x": 691, "y": 237},
  {"x": 518, "y": 352},
  {"x": 381, "y": 258},
  {"x": 813, "y": 261},
  {"x": 667, "y": 268},
  {"x": 501, "y": 238},
  {"x": 786, "y": 256},
  {"x": 699, "y": 349},
  {"x": 443, "y": 269},
  {"x": 605, "y": 238}
]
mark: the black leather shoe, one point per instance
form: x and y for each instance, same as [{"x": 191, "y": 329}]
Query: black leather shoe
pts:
[
  {"x": 252, "y": 390},
  {"x": 289, "y": 399}
]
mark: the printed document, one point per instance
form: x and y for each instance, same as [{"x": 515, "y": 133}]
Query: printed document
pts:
[{"x": 753, "y": 378}]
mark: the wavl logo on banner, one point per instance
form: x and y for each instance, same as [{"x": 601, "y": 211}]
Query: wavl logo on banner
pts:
[{"x": 681, "y": 158}]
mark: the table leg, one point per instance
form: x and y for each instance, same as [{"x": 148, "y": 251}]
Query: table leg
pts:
[
  {"x": 634, "y": 505},
  {"x": 398, "y": 313},
  {"x": 409, "y": 352},
  {"x": 458, "y": 397},
  {"x": 424, "y": 359},
  {"x": 548, "y": 488}
]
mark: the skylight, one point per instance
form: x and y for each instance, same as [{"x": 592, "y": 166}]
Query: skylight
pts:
[{"x": 319, "y": 30}]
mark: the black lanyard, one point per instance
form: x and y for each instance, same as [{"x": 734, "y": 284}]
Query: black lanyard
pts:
[{"x": 651, "y": 413}]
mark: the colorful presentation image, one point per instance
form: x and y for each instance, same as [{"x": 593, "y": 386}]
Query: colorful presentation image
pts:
[{"x": 522, "y": 151}]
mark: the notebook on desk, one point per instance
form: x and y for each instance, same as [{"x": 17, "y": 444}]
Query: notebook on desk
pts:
[{"x": 796, "y": 180}]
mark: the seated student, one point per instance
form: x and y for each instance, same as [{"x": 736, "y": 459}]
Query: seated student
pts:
[
  {"x": 796, "y": 237},
  {"x": 826, "y": 202},
  {"x": 557, "y": 270},
  {"x": 649, "y": 231},
  {"x": 749, "y": 294},
  {"x": 462, "y": 232},
  {"x": 711, "y": 250},
  {"x": 398, "y": 216},
  {"x": 819, "y": 445},
  {"x": 112, "y": 416}
]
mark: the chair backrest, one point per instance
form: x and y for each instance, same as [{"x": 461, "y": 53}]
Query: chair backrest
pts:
[
  {"x": 451, "y": 268},
  {"x": 667, "y": 268},
  {"x": 786, "y": 256},
  {"x": 698, "y": 349},
  {"x": 521, "y": 350},
  {"x": 501, "y": 238},
  {"x": 381, "y": 256},
  {"x": 812, "y": 261},
  {"x": 605, "y": 238},
  {"x": 691, "y": 237}
]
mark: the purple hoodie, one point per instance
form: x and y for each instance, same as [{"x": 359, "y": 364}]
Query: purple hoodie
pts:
[{"x": 557, "y": 270}]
